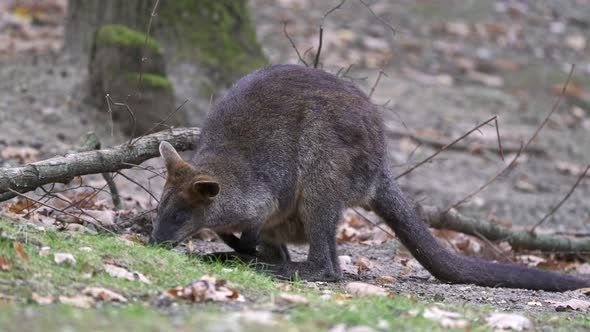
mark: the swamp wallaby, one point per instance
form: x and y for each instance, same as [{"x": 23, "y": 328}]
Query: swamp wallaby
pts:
[{"x": 279, "y": 159}]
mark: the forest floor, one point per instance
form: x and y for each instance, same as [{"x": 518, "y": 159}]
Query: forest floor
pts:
[{"x": 449, "y": 67}]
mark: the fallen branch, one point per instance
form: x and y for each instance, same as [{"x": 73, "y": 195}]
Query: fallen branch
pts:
[
  {"x": 505, "y": 149},
  {"x": 517, "y": 239},
  {"x": 63, "y": 169}
]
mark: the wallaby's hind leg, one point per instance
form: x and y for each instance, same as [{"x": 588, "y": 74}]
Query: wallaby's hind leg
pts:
[
  {"x": 273, "y": 253},
  {"x": 322, "y": 260}
]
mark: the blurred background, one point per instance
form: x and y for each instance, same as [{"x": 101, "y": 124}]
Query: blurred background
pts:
[{"x": 442, "y": 67}]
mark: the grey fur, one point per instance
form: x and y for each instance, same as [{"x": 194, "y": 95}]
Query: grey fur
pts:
[{"x": 290, "y": 148}]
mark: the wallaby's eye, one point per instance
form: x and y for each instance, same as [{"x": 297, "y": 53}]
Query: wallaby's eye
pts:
[{"x": 207, "y": 189}]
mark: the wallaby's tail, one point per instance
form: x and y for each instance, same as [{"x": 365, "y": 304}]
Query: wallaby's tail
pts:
[{"x": 391, "y": 205}]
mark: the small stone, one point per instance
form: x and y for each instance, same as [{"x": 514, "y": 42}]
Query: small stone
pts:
[{"x": 64, "y": 258}]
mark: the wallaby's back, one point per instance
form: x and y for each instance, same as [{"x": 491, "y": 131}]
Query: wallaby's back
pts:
[{"x": 289, "y": 121}]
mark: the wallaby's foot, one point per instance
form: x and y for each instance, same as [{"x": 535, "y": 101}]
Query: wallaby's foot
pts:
[{"x": 305, "y": 271}]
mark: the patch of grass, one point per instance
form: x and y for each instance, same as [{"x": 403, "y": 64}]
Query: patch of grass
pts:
[{"x": 166, "y": 269}]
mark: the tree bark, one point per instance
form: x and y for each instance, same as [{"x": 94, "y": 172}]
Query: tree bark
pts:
[
  {"x": 457, "y": 222},
  {"x": 207, "y": 44},
  {"x": 64, "y": 169}
]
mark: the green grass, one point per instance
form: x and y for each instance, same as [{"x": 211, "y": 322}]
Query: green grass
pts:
[
  {"x": 122, "y": 35},
  {"x": 166, "y": 269},
  {"x": 153, "y": 80}
]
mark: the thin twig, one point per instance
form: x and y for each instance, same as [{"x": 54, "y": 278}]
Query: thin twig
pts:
[
  {"x": 485, "y": 185},
  {"x": 492, "y": 245},
  {"x": 293, "y": 44},
  {"x": 130, "y": 113},
  {"x": 147, "y": 36},
  {"x": 56, "y": 209},
  {"x": 139, "y": 185},
  {"x": 170, "y": 115},
  {"x": 520, "y": 151},
  {"x": 338, "y": 6},
  {"x": 373, "y": 223},
  {"x": 110, "y": 111},
  {"x": 115, "y": 197},
  {"x": 382, "y": 21},
  {"x": 317, "y": 55},
  {"x": 565, "y": 198},
  {"x": 381, "y": 73},
  {"x": 554, "y": 108},
  {"x": 73, "y": 205},
  {"x": 499, "y": 139},
  {"x": 149, "y": 169},
  {"x": 411, "y": 169}
]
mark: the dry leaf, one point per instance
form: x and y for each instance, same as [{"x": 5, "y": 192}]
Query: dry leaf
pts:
[
  {"x": 24, "y": 154},
  {"x": 80, "y": 301},
  {"x": 20, "y": 250},
  {"x": 64, "y": 258},
  {"x": 104, "y": 217},
  {"x": 576, "y": 42},
  {"x": 573, "y": 304},
  {"x": 572, "y": 90},
  {"x": 363, "y": 264},
  {"x": 387, "y": 279},
  {"x": 347, "y": 266},
  {"x": 22, "y": 206},
  {"x": 485, "y": 79},
  {"x": 570, "y": 168},
  {"x": 42, "y": 300},
  {"x": 201, "y": 290},
  {"x": 5, "y": 263},
  {"x": 508, "y": 321},
  {"x": 120, "y": 272},
  {"x": 364, "y": 289},
  {"x": 447, "y": 319},
  {"x": 103, "y": 294},
  {"x": 531, "y": 260},
  {"x": 293, "y": 298}
]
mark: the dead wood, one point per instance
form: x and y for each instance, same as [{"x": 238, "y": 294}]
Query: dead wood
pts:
[
  {"x": 455, "y": 221},
  {"x": 65, "y": 168}
]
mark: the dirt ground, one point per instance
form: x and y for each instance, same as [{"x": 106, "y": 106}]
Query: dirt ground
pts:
[{"x": 432, "y": 65}]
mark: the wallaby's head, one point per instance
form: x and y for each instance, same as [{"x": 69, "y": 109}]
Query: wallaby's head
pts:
[{"x": 188, "y": 194}]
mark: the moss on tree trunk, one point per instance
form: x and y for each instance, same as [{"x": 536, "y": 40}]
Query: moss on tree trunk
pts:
[
  {"x": 218, "y": 34},
  {"x": 215, "y": 38}
]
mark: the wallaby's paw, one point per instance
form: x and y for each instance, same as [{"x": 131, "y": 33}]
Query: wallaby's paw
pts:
[{"x": 304, "y": 271}]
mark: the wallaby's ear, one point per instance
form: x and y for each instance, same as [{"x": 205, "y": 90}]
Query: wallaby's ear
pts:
[
  {"x": 169, "y": 154},
  {"x": 206, "y": 188}
]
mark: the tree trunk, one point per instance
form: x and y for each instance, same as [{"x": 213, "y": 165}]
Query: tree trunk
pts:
[{"x": 207, "y": 44}]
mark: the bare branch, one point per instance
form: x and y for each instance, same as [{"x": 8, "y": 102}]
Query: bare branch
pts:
[
  {"x": 59, "y": 210},
  {"x": 411, "y": 169},
  {"x": 64, "y": 169},
  {"x": 381, "y": 73},
  {"x": 554, "y": 108},
  {"x": 170, "y": 115},
  {"x": 317, "y": 55},
  {"x": 565, "y": 198},
  {"x": 139, "y": 185},
  {"x": 499, "y": 139},
  {"x": 338, "y": 6},
  {"x": 293, "y": 44},
  {"x": 382, "y": 21}
]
